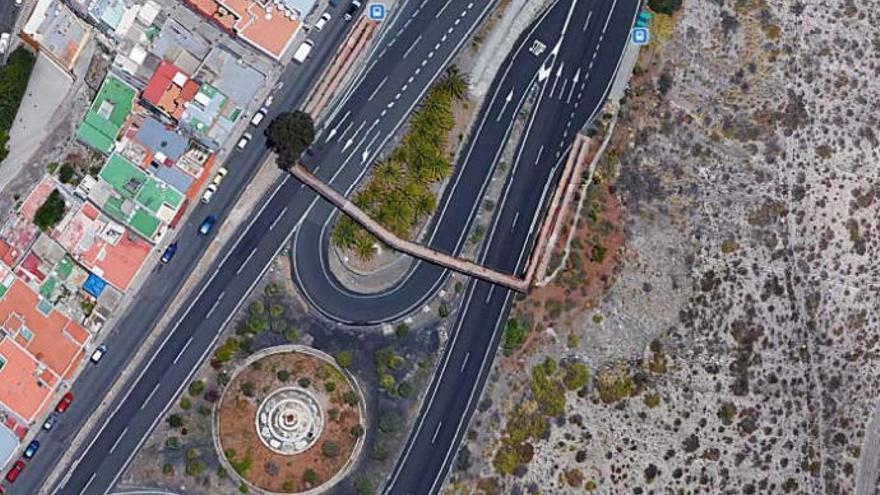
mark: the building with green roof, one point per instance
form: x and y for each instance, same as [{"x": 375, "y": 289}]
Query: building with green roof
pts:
[{"x": 106, "y": 116}]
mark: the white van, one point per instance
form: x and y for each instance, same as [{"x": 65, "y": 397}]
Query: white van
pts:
[{"x": 302, "y": 53}]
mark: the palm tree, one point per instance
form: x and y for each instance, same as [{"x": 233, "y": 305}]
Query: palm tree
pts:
[{"x": 454, "y": 83}]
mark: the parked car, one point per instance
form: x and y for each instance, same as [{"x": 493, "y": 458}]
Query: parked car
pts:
[
  {"x": 320, "y": 23},
  {"x": 50, "y": 421},
  {"x": 221, "y": 173},
  {"x": 15, "y": 471},
  {"x": 64, "y": 403},
  {"x": 169, "y": 252},
  {"x": 245, "y": 139},
  {"x": 269, "y": 100},
  {"x": 18, "y": 3},
  {"x": 4, "y": 43},
  {"x": 258, "y": 117},
  {"x": 209, "y": 193},
  {"x": 207, "y": 224},
  {"x": 98, "y": 353},
  {"x": 302, "y": 53},
  {"x": 31, "y": 449},
  {"x": 352, "y": 10}
]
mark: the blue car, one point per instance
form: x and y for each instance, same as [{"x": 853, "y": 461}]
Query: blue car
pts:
[
  {"x": 31, "y": 449},
  {"x": 207, "y": 224},
  {"x": 169, "y": 252}
]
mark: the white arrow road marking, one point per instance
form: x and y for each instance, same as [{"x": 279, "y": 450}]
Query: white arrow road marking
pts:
[{"x": 504, "y": 107}]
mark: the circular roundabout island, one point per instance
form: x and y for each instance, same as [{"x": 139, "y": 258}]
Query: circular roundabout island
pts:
[{"x": 289, "y": 421}]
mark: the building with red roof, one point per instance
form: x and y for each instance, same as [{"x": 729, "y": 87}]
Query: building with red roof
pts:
[{"x": 170, "y": 89}]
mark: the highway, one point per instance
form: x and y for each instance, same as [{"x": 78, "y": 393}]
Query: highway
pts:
[
  {"x": 165, "y": 280},
  {"x": 9, "y": 13},
  {"x": 584, "y": 41},
  {"x": 119, "y": 434}
]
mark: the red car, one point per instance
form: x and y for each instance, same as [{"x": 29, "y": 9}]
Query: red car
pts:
[
  {"x": 15, "y": 471},
  {"x": 64, "y": 403}
]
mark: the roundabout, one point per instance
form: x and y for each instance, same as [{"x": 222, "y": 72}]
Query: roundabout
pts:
[{"x": 289, "y": 421}]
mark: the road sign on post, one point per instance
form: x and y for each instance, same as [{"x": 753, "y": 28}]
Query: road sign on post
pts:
[
  {"x": 376, "y": 11},
  {"x": 640, "y": 36}
]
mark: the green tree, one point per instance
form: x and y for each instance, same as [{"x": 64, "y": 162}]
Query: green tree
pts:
[
  {"x": 172, "y": 443},
  {"x": 310, "y": 476},
  {"x": 283, "y": 375},
  {"x": 195, "y": 467},
  {"x": 364, "y": 486},
  {"x": 51, "y": 211},
  {"x": 357, "y": 431},
  {"x": 67, "y": 173},
  {"x": 289, "y": 135},
  {"x": 454, "y": 83},
  {"x": 227, "y": 350},
  {"x": 576, "y": 375},
  {"x": 390, "y": 423},
  {"x": 185, "y": 403}
]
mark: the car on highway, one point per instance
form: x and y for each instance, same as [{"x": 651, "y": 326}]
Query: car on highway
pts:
[
  {"x": 98, "y": 353},
  {"x": 245, "y": 139},
  {"x": 169, "y": 252},
  {"x": 352, "y": 10},
  {"x": 207, "y": 224},
  {"x": 209, "y": 193},
  {"x": 31, "y": 449},
  {"x": 13, "y": 473},
  {"x": 320, "y": 23},
  {"x": 258, "y": 117},
  {"x": 64, "y": 403},
  {"x": 221, "y": 173},
  {"x": 4, "y": 43},
  {"x": 18, "y": 3},
  {"x": 302, "y": 53},
  {"x": 50, "y": 421}
]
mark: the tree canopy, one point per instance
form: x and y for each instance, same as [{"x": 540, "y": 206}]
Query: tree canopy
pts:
[{"x": 289, "y": 135}]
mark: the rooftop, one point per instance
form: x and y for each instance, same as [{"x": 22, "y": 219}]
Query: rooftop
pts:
[
  {"x": 170, "y": 89},
  {"x": 211, "y": 116},
  {"x": 38, "y": 347},
  {"x": 108, "y": 113},
  {"x": 231, "y": 76},
  {"x": 268, "y": 27},
  {"x": 103, "y": 246},
  {"x": 58, "y": 31}
]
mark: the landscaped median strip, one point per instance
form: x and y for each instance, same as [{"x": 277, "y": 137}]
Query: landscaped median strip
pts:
[{"x": 408, "y": 247}]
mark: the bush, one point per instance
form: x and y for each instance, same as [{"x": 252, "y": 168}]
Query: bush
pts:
[
  {"x": 310, "y": 476},
  {"x": 357, "y": 431},
  {"x": 185, "y": 403},
  {"x": 576, "y": 375},
  {"x": 330, "y": 449},
  {"x": 196, "y": 388},
  {"x": 614, "y": 384},
  {"x": 330, "y": 387},
  {"x": 174, "y": 421},
  {"x": 379, "y": 453},
  {"x": 364, "y": 486},
  {"x": 344, "y": 358},
  {"x": 283, "y": 375},
  {"x": 192, "y": 454},
  {"x": 291, "y": 335},
  {"x": 350, "y": 398},
  {"x": 167, "y": 469},
  {"x": 228, "y": 350},
  {"x": 304, "y": 382},
  {"x": 204, "y": 410},
  {"x": 515, "y": 333},
  {"x": 51, "y": 211},
  {"x": 172, "y": 443},
  {"x": 212, "y": 396},
  {"x": 386, "y": 382},
  {"x": 195, "y": 467},
  {"x": 652, "y": 400},
  {"x": 401, "y": 330},
  {"x": 390, "y": 423},
  {"x": 249, "y": 389},
  {"x": 667, "y": 7}
]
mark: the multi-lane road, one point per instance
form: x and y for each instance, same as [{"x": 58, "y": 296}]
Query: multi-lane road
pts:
[{"x": 583, "y": 41}]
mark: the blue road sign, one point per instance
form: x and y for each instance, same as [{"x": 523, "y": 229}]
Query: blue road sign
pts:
[
  {"x": 640, "y": 36},
  {"x": 377, "y": 11}
]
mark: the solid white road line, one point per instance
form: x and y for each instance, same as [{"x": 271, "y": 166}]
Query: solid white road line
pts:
[
  {"x": 440, "y": 12},
  {"x": 179, "y": 353},
  {"x": 91, "y": 478}
]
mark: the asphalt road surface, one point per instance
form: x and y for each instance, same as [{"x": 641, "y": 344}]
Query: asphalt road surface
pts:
[
  {"x": 8, "y": 16},
  {"x": 161, "y": 286},
  {"x": 117, "y": 436}
]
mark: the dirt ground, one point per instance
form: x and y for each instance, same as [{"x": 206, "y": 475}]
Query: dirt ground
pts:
[
  {"x": 237, "y": 413},
  {"x": 741, "y": 316}
]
